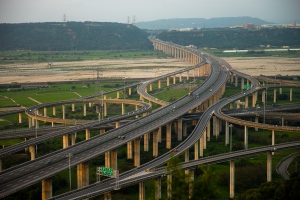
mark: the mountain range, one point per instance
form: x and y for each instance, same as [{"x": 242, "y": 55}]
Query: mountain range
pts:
[{"x": 199, "y": 23}]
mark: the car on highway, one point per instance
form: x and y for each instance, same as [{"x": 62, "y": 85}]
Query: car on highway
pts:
[
  {"x": 121, "y": 137},
  {"x": 175, "y": 150},
  {"x": 210, "y": 90}
]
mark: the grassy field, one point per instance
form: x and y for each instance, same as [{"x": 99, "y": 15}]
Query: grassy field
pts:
[{"x": 65, "y": 56}]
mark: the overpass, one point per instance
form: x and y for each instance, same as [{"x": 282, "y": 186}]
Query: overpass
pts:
[{"x": 150, "y": 123}]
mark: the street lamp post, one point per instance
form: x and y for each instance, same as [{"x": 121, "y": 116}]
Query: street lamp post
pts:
[
  {"x": 230, "y": 126},
  {"x": 69, "y": 156}
]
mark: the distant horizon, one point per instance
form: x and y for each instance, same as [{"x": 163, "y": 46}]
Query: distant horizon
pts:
[
  {"x": 286, "y": 22},
  {"x": 16, "y": 11}
]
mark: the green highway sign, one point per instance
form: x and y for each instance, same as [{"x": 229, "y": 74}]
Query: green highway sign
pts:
[
  {"x": 106, "y": 171},
  {"x": 246, "y": 86}
]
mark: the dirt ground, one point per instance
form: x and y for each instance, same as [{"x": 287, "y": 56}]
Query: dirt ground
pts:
[
  {"x": 268, "y": 66},
  {"x": 135, "y": 68}
]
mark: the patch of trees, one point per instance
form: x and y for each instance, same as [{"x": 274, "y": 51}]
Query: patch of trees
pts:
[
  {"x": 288, "y": 189},
  {"x": 234, "y": 38},
  {"x": 73, "y": 36}
]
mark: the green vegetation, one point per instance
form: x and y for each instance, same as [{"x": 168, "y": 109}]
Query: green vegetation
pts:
[
  {"x": 16, "y": 56},
  {"x": 225, "y": 38},
  {"x": 72, "y": 36}
]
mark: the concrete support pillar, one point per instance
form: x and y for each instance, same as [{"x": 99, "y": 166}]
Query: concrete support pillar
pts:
[
  {"x": 273, "y": 139},
  {"x": 263, "y": 96},
  {"x": 157, "y": 183},
  {"x": 246, "y": 101},
  {"x": 87, "y": 134},
  {"x": 146, "y": 142},
  {"x": 105, "y": 109},
  {"x": 117, "y": 124},
  {"x": 269, "y": 166},
  {"x": 54, "y": 111},
  {"x": 231, "y": 106},
  {"x": 179, "y": 129},
  {"x": 129, "y": 150},
  {"x": 73, "y": 107},
  {"x": 231, "y": 179},
  {"x": 159, "y": 84},
  {"x": 114, "y": 159},
  {"x": 155, "y": 143},
  {"x": 282, "y": 121},
  {"x": 168, "y": 81},
  {"x": 32, "y": 152},
  {"x": 142, "y": 191},
  {"x": 256, "y": 121},
  {"x": 187, "y": 75},
  {"x": 208, "y": 131},
  {"x": 82, "y": 175},
  {"x": 63, "y": 108},
  {"x": 280, "y": 90},
  {"x": 136, "y": 152},
  {"x": 118, "y": 94},
  {"x": 174, "y": 79},
  {"x": 20, "y": 118},
  {"x": 201, "y": 146},
  {"x": 246, "y": 137},
  {"x": 204, "y": 138},
  {"x": 159, "y": 134},
  {"x": 129, "y": 91},
  {"x": 107, "y": 196},
  {"x": 254, "y": 98},
  {"x": 45, "y": 112},
  {"x": 90, "y": 104},
  {"x": 123, "y": 109},
  {"x": 46, "y": 188},
  {"x": 291, "y": 94},
  {"x": 65, "y": 141},
  {"x": 73, "y": 138},
  {"x": 226, "y": 133},
  {"x": 151, "y": 87},
  {"x": 84, "y": 109},
  {"x": 274, "y": 100},
  {"x": 196, "y": 150},
  {"x": 242, "y": 84},
  {"x": 216, "y": 127},
  {"x": 168, "y": 135},
  {"x": 29, "y": 122}
]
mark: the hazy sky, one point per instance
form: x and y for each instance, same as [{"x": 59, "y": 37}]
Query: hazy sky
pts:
[{"x": 18, "y": 11}]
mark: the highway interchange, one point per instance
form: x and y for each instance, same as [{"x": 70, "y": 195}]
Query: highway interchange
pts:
[{"x": 21, "y": 176}]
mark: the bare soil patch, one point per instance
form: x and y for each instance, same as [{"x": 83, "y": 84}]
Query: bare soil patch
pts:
[
  {"x": 135, "y": 68},
  {"x": 268, "y": 66}
]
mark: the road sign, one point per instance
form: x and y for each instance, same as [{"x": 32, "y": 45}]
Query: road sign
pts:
[
  {"x": 246, "y": 86},
  {"x": 106, "y": 171}
]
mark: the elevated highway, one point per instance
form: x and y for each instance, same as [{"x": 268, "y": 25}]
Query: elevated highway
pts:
[{"x": 16, "y": 178}]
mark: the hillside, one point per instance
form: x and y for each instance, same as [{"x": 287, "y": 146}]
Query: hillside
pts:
[
  {"x": 199, "y": 23},
  {"x": 73, "y": 35},
  {"x": 225, "y": 38}
]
